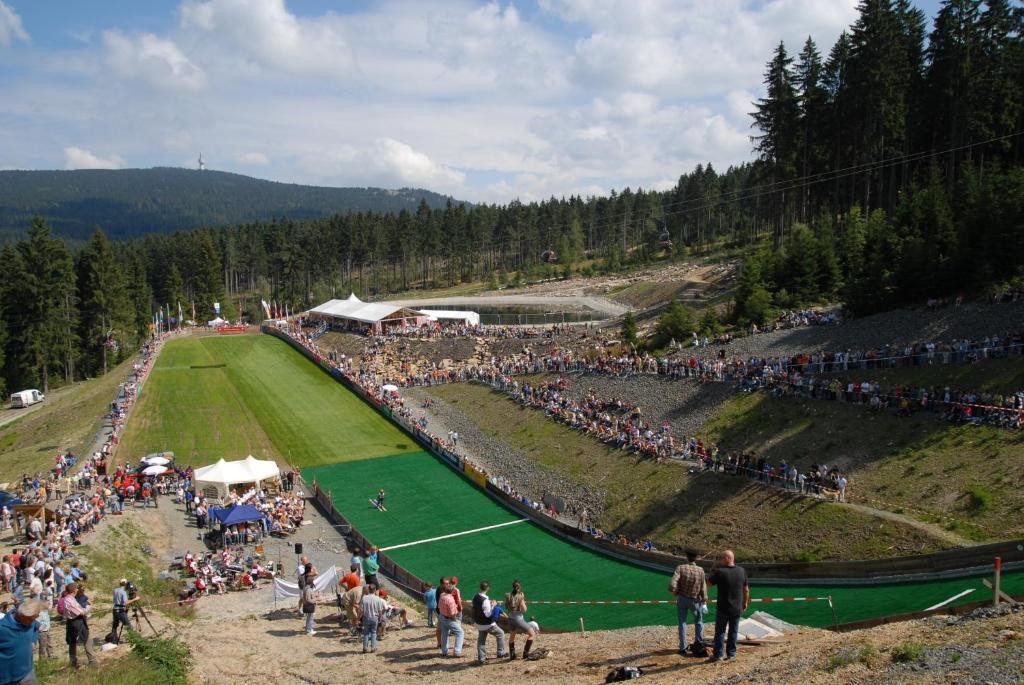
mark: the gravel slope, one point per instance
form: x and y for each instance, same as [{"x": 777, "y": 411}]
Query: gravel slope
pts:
[{"x": 529, "y": 478}]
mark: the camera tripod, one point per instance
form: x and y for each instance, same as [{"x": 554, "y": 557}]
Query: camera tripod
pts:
[{"x": 137, "y": 611}]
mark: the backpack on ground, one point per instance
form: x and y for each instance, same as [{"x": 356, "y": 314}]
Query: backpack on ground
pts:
[{"x": 623, "y": 673}]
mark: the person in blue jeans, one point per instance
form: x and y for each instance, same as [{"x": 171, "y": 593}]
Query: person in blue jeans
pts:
[
  {"x": 733, "y": 600},
  {"x": 430, "y": 599},
  {"x": 371, "y": 608},
  {"x": 448, "y": 610},
  {"x": 690, "y": 588}
]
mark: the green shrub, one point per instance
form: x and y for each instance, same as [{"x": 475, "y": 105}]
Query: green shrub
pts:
[
  {"x": 170, "y": 656},
  {"x": 980, "y": 498},
  {"x": 907, "y": 652},
  {"x": 849, "y": 655}
]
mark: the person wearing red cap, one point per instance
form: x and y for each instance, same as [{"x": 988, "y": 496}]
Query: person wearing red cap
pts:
[{"x": 457, "y": 596}]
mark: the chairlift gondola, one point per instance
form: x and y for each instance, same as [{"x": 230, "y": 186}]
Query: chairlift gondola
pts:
[{"x": 665, "y": 238}]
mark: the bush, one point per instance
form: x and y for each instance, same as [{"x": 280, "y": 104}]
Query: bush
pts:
[
  {"x": 907, "y": 652},
  {"x": 170, "y": 656},
  {"x": 850, "y": 655},
  {"x": 980, "y": 498}
]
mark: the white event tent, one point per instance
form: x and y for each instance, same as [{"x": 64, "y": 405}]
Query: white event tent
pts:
[
  {"x": 353, "y": 312},
  {"x": 225, "y": 474}
]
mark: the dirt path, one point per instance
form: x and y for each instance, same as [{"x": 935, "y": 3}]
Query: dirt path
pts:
[
  {"x": 929, "y": 528},
  {"x": 596, "y": 303}
]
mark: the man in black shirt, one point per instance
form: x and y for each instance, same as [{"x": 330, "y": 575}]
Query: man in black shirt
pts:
[{"x": 733, "y": 600}]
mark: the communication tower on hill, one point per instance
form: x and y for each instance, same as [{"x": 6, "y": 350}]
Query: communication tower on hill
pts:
[{"x": 202, "y": 164}]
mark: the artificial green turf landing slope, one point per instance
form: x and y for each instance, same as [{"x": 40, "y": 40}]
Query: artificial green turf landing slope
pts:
[
  {"x": 212, "y": 397},
  {"x": 257, "y": 395},
  {"x": 425, "y": 499}
]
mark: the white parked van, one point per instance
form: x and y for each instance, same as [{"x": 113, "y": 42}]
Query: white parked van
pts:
[{"x": 26, "y": 398}]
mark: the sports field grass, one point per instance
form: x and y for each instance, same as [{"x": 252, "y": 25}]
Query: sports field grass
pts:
[{"x": 254, "y": 396}]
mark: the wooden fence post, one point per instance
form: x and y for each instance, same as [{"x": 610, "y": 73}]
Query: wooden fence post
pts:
[{"x": 995, "y": 586}]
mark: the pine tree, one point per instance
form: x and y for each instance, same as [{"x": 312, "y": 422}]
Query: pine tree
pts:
[
  {"x": 676, "y": 323},
  {"x": 44, "y": 289},
  {"x": 777, "y": 117},
  {"x": 813, "y": 101},
  {"x": 107, "y": 317},
  {"x": 174, "y": 289},
  {"x": 209, "y": 287},
  {"x": 3, "y": 343},
  {"x": 629, "y": 329}
]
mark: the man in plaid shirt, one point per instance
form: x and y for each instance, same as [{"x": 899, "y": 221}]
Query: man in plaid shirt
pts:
[{"x": 691, "y": 591}]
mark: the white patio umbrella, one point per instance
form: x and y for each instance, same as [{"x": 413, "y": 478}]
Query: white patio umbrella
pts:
[
  {"x": 389, "y": 388},
  {"x": 154, "y": 470},
  {"x": 156, "y": 461}
]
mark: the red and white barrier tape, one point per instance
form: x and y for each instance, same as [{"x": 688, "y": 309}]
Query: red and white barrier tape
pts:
[{"x": 764, "y": 600}]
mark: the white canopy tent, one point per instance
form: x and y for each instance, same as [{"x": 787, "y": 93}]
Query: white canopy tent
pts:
[
  {"x": 225, "y": 474},
  {"x": 466, "y": 317}
]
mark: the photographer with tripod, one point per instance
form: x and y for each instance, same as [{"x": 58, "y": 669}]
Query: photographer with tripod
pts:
[{"x": 125, "y": 594}]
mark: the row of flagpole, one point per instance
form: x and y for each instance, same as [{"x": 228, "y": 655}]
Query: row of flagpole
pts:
[{"x": 162, "y": 323}]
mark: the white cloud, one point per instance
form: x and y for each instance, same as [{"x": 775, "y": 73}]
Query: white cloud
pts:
[
  {"x": 691, "y": 47},
  {"x": 78, "y": 158},
  {"x": 273, "y": 37},
  {"x": 484, "y": 99},
  {"x": 156, "y": 61},
  {"x": 11, "y": 28},
  {"x": 253, "y": 158},
  {"x": 491, "y": 46},
  {"x": 385, "y": 162}
]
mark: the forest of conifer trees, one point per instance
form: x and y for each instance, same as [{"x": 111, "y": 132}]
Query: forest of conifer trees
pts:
[{"x": 887, "y": 170}]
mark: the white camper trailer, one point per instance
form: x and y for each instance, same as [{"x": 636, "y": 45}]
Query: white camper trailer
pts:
[{"x": 26, "y": 398}]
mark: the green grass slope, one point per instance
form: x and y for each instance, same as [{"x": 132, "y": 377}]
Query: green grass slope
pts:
[
  {"x": 254, "y": 396},
  {"x": 966, "y": 478},
  {"x": 70, "y": 418},
  {"x": 678, "y": 509}
]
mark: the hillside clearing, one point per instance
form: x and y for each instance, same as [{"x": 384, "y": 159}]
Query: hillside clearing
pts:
[
  {"x": 919, "y": 466},
  {"x": 666, "y": 503},
  {"x": 68, "y": 420},
  {"x": 212, "y": 397}
]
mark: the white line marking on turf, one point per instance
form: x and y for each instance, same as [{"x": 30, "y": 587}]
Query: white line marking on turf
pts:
[
  {"x": 952, "y": 599},
  {"x": 453, "y": 535}
]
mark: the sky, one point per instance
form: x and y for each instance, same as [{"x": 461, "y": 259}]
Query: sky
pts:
[{"x": 485, "y": 101}]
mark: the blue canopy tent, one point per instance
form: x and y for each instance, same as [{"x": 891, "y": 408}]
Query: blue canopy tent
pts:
[{"x": 240, "y": 513}]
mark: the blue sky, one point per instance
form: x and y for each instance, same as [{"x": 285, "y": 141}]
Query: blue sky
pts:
[{"x": 488, "y": 101}]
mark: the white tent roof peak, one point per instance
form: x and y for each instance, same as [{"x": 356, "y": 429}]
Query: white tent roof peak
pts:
[
  {"x": 248, "y": 470},
  {"x": 353, "y": 298}
]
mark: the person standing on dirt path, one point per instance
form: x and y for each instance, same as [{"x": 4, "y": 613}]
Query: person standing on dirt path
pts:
[
  {"x": 733, "y": 600},
  {"x": 370, "y": 566},
  {"x": 515, "y": 605},
  {"x": 357, "y": 560},
  {"x": 485, "y": 615},
  {"x": 309, "y": 598},
  {"x": 351, "y": 579},
  {"x": 372, "y": 608},
  {"x": 449, "y": 622},
  {"x": 690, "y": 588},
  {"x": 76, "y": 625},
  {"x": 300, "y": 574}
]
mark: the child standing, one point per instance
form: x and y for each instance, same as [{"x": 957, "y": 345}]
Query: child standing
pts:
[{"x": 430, "y": 599}]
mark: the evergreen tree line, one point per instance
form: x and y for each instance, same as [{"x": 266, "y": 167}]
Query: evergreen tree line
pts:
[
  {"x": 907, "y": 152},
  {"x": 886, "y": 172}
]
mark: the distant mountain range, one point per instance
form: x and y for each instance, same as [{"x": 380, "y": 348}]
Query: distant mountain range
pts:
[{"x": 130, "y": 202}]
